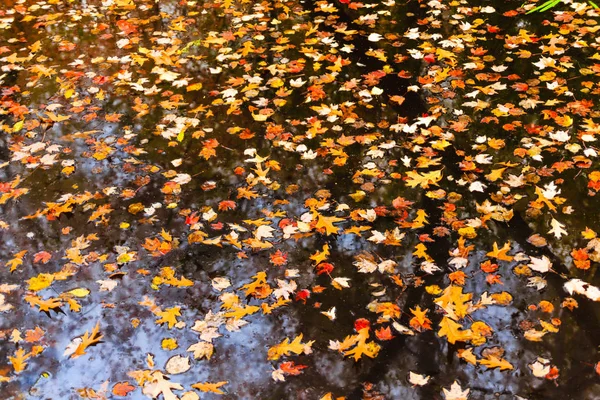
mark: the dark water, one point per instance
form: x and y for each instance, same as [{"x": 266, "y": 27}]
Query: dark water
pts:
[{"x": 81, "y": 37}]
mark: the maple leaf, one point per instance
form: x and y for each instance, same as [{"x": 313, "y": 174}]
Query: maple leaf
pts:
[
  {"x": 34, "y": 335},
  {"x": 417, "y": 379},
  {"x": 420, "y": 322},
  {"x": 159, "y": 385},
  {"x": 494, "y": 362},
  {"x": 456, "y": 392},
  {"x": 169, "y": 316},
  {"x": 453, "y": 331},
  {"x": 227, "y": 205},
  {"x": 384, "y": 333},
  {"x": 454, "y": 302},
  {"x": 87, "y": 340},
  {"x": 201, "y": 349},
  {"x": 540, "y": 264},
  {"x": 326, "y": 223},
  {"x": 415, "y": 179},
  {"x": 210, "y": 387},
  {"x": 100, "y": 212},
  {"x": 286, "y": 347},
  {"x": 500, "y": 254},
  {"x": 278, "y": 258},
  {"x": 42, "y": 256}
]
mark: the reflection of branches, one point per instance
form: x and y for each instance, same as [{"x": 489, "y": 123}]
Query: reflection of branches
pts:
[{"x": 518, "y": 230}]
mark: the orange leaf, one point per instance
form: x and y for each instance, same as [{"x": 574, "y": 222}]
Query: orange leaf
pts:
[
  {"x": 88, "y": 340},
  {"x": 122, "y": 389},
  {"x": 42, "y": 256},
  {"x": 384, "y": 333},
  {"x": 291, "y": 368},
  {"x": 210, "y": 387}
]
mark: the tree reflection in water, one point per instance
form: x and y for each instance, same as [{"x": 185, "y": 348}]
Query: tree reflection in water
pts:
[{"x": 100, "y": 59}]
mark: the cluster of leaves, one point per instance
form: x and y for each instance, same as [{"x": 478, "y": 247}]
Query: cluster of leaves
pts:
[{"x": 285, "y": 125}]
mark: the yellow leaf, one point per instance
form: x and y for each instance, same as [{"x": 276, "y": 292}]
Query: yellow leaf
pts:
[
  {"x": 169, "y": 344},
  {"x": 87, "y": 340},
  {"x": 321, "y": 256},
  {"x": 18, "y": 360},
  {"x": 588, "y": 233},
  {"x": 327, "y": 224},
  {"x": 495, "y": 174},
  {"x": 369, "y": 349},
  {"x": 421, "y": 252},
  {"x": 286, "y": 347},
  {"x": 44, "y": 305},
  {"x": 468, "y": 356},
  {"x": 79, "y": 292},
  {"x": 454, "y": 302},
  {"x": 428, "y": 178},
  {"x": 500, "y": 254},
  {"x": 167, "y": 277},
  {"x": 548, "y": 327},
  {"x": 210, "y": 387},
  {"x": 239, "y": 312},
  {"x": 18, "y": 126},
  {"x": 494, "y": 362},
  {"x": 453, "y": 331},
  {"x": 433, "y": 289},
  {"x": 420, "y": 220},
  {"x": 42, "y": 281},
  {"x": 502, "y": 298},
  {"x": 16, "y": 261},
  {"x": 195, "y": 86},
  {"x": 169, "y": 316},
  {"x": 259, "y": 287}
]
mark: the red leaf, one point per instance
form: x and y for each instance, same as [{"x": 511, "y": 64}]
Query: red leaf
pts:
[
  {"x": 290, "y": 368},
  {"x": 324, "y": 268},
  {"x": 227, "y": 205},
  {"x": 384, "y": 333},
  {"x": 42, "y": 256},
  {"x": 361, "y": 323},
  {"x": 279, "y": 258}
]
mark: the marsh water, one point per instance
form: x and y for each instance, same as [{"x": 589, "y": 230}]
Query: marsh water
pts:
[{"x": 72, "y": 44}]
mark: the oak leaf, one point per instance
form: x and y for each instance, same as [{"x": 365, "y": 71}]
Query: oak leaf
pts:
[
  {"x": 494, "y": 362},
  {"x": 87, "y": 340},
  {"x": 210, "y": 387},
  {"x": 286, "y": 347},
  {"x": 18, "y": 361}
]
